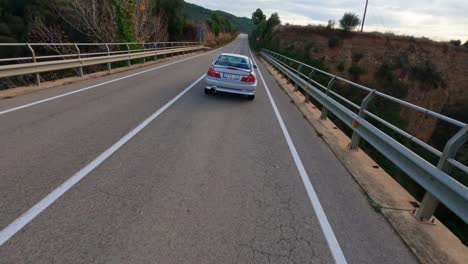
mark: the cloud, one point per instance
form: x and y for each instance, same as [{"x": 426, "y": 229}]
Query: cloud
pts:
[{"x": 436, "y": 19}]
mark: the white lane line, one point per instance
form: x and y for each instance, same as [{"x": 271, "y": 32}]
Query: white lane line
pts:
[
  {"x": 43, "y": 204},
  {"x": 234, "y": 51},
  {"x": 34, "y": 211},
  {"x": 332, "y": 242},
  {"x": 100, "y": 84}
]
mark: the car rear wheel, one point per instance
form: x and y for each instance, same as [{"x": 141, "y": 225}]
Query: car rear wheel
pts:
[
  {"x": 208, "y": 91},
  {"x": 250, "y": 97}
]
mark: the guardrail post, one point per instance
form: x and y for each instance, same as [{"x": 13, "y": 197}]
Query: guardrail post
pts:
[
  {"x": 155, "y": 44},
  {"x": 33, "y": 54},
  {"x": 307, "y": 96},
  {"x": 355, "y": 137},
  {"x": 296, "y": 86},
  {"x": 299, "y": 69},
  {"x": 144, "y": 50},
  {"x": 330, "y": 84},
  {"x": 109, "y": 65},
  {"x": 429, "y": 203},
  {"x": 80, "y": 69},
  {"x": 286, "y": 76},
  {"x": 129, "y": 62},
  {"x": 311, "y": 74},
  {"x": 282, "y": 74},
  {"x": 273, "y": 57}
]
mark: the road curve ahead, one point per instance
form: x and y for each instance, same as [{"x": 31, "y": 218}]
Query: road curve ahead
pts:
[{"x": 143, "y": 167}]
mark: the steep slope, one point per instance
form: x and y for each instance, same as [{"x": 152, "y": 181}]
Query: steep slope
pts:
[
  {"x": 197, "y": 13},
  {"x": 428, "y": 73}
]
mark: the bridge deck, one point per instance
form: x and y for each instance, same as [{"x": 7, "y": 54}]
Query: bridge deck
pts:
[{"x": 210, "y": 180}]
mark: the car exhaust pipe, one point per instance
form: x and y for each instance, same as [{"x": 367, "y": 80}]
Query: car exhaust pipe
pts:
[{"x": 212, "y": 89}]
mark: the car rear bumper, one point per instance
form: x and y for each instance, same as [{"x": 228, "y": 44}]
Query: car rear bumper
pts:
[
  {"x": 220, "y": 86},
  {"x": 227, "y": 90}
]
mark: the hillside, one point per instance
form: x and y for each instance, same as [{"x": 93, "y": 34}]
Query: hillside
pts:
[
  {"x": 433, "y": 74},
  {"x": 197, "y": 13}
]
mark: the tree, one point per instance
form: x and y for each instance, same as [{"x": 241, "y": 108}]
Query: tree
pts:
[
  {"x": 13, "y": 20},
  {"x": 218, "y": 23},
  {"x": 125, "y": 18},
  {"x": 456, "y": 43},
  {"x": 264, "y": 28},
  {"x": 258, "y": 16},
  {"x": 95, "y": 20},
  {"x": 98, "y": 21},
  {"x": 214, "y": 26},
  {"x": 466, "y": 44},
  {"x": 331, "y": 24},
  {"x": 273, "y": 21},
  {"x": 173, "y": 11},
  {"x": 349, "y": 21},
  {"x": 149, "y": 27}
]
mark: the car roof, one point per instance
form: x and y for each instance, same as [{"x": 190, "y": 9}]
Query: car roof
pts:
[{"x": 236, "y": 55}]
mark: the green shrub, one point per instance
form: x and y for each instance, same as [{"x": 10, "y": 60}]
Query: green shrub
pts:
[
  {"x": 334, "y": 41},
  {"x": 357, "y": 57},
  {"x": 455, "y": 43},
  {"x": 356, "y": 71},
  {"x": 389, "y": 83},
  {"x": 125, "y": 20},
  {"x": 426, "y": 74},
  {"x": 341, "y": 67}
]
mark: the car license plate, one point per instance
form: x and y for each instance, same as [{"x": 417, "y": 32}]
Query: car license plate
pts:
[{"x": 231, "y": 76}]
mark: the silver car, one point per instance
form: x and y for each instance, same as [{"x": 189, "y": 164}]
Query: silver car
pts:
[{"x": 232, "y": 73}]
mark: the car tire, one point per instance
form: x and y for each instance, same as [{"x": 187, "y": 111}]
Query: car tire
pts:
[
  {"x": 250, "y": 97},
  {"x": 208, "y": 91}
]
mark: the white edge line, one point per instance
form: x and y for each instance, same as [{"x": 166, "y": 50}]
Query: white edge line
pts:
[
  {"x": 13, "y": 228},
  {"x": 100, "y": 84},
  {"x": 39, "y": 207},
  {"x": 327, "y": 230}
]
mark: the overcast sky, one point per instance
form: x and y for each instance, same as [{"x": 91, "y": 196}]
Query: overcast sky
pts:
[{"x": 436, "y": 19}]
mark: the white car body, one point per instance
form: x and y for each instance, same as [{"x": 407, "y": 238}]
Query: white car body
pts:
[{"x": 232, "y": 73}]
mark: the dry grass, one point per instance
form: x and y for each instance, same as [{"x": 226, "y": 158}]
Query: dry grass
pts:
[{"x": 326, "y": 32}]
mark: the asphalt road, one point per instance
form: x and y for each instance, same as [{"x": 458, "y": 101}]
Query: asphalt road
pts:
[{"x": 206, "y": 179}]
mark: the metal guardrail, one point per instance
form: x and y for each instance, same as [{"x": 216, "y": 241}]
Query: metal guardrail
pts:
[
  {"x": 437, "y": 182},
  {"x": 106, "y": 54}
]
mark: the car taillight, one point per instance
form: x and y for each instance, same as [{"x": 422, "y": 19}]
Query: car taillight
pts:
[
  {"x": 249, "y": 79},
  {"x": 213, "y": 73}
]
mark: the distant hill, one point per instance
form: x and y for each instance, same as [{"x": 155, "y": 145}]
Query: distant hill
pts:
[{"x": 197, "y": 13}]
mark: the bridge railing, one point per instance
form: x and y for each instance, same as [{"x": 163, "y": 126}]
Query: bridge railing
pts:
[
  {"x": 44, "y": 57},
  {"x": 436, "y": 180}
]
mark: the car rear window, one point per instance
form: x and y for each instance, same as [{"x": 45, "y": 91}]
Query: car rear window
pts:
[{"x": 231, "y": 61}]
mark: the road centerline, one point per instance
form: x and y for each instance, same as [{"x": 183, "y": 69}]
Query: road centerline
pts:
[
  {"x": 235, "y": 49},
  {"x": 327, "y": 230}
]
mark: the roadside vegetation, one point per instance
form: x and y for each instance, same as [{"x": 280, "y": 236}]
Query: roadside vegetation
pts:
[
  {"x": 102, "y": 21},
  {"x": 198, "y": 13},
  {"x": 264, "y": 28}
]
